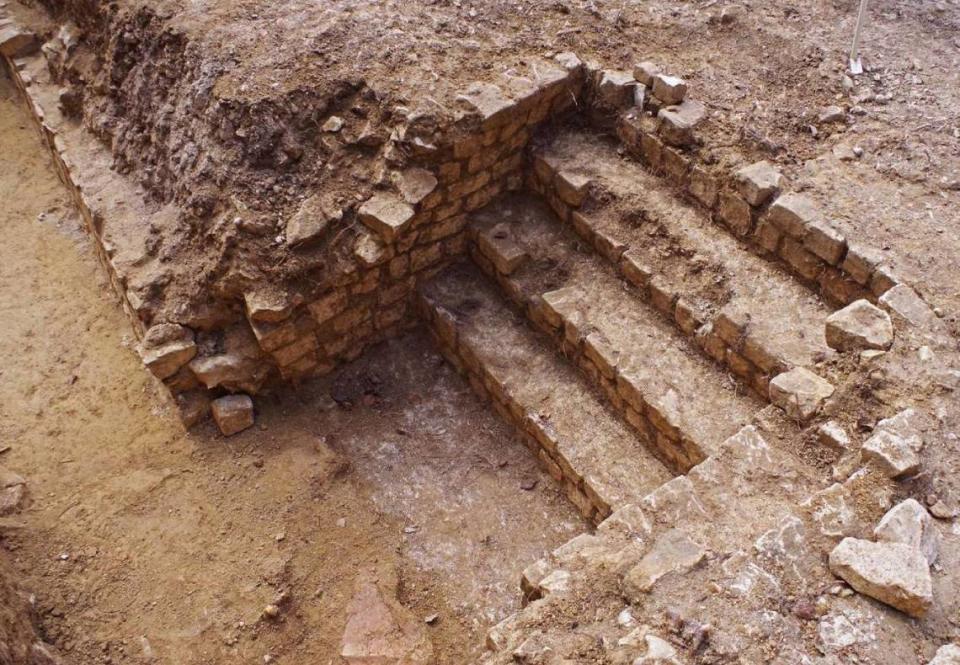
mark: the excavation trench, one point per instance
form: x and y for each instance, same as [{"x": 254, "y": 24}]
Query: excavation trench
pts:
[{"x": 140, "y": 540}]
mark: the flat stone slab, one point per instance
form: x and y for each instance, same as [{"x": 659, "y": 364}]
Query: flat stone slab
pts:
[
  {"x": 380, "y": 631},
  {"x": 800, "y": 392},
  {"x": 674, "y": 551},
  {"x": 859, "y": 326},
  {"x": 907, "y": 304},
  {"x": 893, "y": 573}
]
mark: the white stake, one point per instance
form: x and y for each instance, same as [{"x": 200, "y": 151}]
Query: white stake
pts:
[{"x": 856, "y": 67}]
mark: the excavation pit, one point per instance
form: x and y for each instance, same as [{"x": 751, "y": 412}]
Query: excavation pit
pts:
[{"x": 633, "y": 288}]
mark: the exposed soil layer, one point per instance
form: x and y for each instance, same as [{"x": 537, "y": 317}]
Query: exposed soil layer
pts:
[
  {"x": 222, "y": 107},
  {"x": 141, "y": 539}
]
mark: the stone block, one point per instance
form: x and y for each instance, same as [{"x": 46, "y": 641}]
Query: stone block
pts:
[
  {"x": 677, "y": 123},
  {"x": 800, "y": 393},
  {"x": 860, "y": 262},
  {"x": 328, "y": 306},
  {"x": 669, "y": 89},
  {"x": 688, "y": 316},
  {"x": 837, "y": 287},
  {"x": 859, "y": 326},
  {"x": 768, "y": 236},
  {"x": 793, "y": 213},
  {"x": 500, "y": 246},
  {"x": 270, "y": 305},
  {"x": 386, "y": 215},
  {"x": 425, "y": 256},
  {"x": 415, "y": 184},
  {"x": 17, "y": 43},
  {"x": 602, "y": 354},
  {"x": 754, "y": 351},
  {"x": 572, "y": 187},
  {"x": 892, "y": 573},
  {"x": 758, "y": 182},
  {"x": 292, "y": 352},
  {"x": 166, "y": 348},
  {"x": 804, "y": 263},
  {"x": 488, "y": 102},
  {"x": 583, "y": 225},
  {"x": 825, "y": 241},
  {"x": 832, "y": 435},
  {"x": 615, "y": 89},
  {"x": 635, "y": 269},
  {"x": 662, "y": 295},
  {"x": 894, "y": 454},
  {"x": 735, "y": 213},
  {"x": 676, "y": 166},
  {"x": 644, "y": 73},
  {"x": 731, "y": 326},
  {"x": 948, "y": 654},
  {"x": 233, "y": 413},
  {"x": 651, "y": 148},
  {"x": 883, "y": 279},
  {"x": 608, "y": 245},
  {"x": 703, "y": 187}
]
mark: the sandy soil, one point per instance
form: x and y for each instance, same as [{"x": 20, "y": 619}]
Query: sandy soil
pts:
[{"x": 144, "y": 543}]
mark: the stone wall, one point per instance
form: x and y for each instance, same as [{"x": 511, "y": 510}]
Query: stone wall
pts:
[{"x": 749, "y": 199}]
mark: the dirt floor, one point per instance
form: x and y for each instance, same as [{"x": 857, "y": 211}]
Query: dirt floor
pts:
[{"x": 144, "y": 543}]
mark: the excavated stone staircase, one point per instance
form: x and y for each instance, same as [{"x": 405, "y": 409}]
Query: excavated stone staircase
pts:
[{"x": 633, "y": 342}]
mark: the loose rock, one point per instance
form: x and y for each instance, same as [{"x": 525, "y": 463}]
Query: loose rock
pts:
[
  {"x": 800, "y": 392},
  {"x": 892, "y": 573},
  {"x": 909, "y": 523},
  {"x": 832, "y": 114},
  {"x": 895, "y": 445},
  {"x": 858, "y": 326},
  {"x": 948, "y": 654},
  {"x": 166, "y": 348},
  {"x": 673, "y": 552},
  {"x": 312, "y": 218}
]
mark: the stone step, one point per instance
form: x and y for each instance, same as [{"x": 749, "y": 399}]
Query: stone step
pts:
[
  {"x": 759, "y": 319},
  {"x": 682, "y": 403},
  {"x": 582, "y": 442},
  {"x": 726, "y": 563}
]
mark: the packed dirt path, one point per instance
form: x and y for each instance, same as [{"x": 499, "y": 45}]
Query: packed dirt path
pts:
[{"x": 145, "y": 543}]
